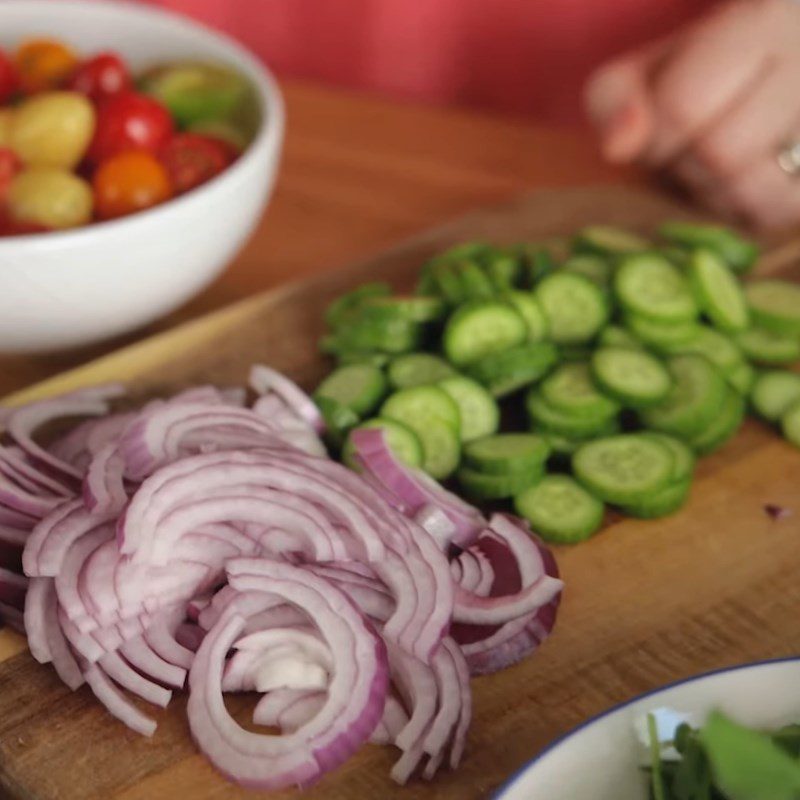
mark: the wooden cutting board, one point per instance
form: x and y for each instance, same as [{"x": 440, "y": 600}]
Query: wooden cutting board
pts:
[{"x": 645, "y": 603}]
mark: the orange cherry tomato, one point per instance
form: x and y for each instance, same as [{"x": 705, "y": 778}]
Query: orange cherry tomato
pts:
[
  {"x": 43, "y": 64},
  {"x": 129, "y": 182}
]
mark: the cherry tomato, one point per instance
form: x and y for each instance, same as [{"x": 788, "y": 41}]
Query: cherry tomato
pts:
[
  {"x": 10, "y": 165},
  {"x": 129, "y": 121},
  {"x": 129, "y": 182},
  {"x": 8, "y": 78},
  {"x": 12, "y": 227},
  {"x": 101, "y": 77},
  {"x": 192, "y": 159},
  {"x": 51, "y": 197},
  {"x": 44, "y": 64}
]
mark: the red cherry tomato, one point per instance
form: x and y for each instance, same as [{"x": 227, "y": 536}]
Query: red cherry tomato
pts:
[
  {"x": 101, "y": 77},
  {"x": 8, "y": 78},
  {"x": 129, "y": 121},
  {"x": 13, "y": 227},
  {"x": 192, "y": 159},
  {"x": 10, "y": 165},
  {"x": 129, "y": 182}
]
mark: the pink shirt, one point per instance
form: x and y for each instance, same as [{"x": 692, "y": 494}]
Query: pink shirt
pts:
[{"x": 528, "y": 56}]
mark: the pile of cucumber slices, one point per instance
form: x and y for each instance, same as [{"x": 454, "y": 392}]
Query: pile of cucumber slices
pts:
[{"x": 609, "y": 363}]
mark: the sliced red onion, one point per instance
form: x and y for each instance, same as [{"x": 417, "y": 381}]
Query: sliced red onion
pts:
[
  {"x": 139, "y": 654},
  {"x": 15, "y": 498},
  {"x": 116, "y": 703},
  {"x": 190, "y": 636},
  {"x": 123, "y": 674},
  {"x": 160, "y": 635},
  {"x": 264, "y": 380},
  {"x": 416, "y": 684},
  {"x": 301, "y": 711},
  {"x": 104, "y": 487},
  {"x": 271, "y": 706},
  {"x": 15, "y": 466}
]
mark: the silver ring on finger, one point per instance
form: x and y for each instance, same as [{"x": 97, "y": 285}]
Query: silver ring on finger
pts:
[{"x": 789, "y": 158}]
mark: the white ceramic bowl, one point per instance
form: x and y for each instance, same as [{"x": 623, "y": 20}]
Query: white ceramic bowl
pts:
[
  {"x": 59, "y": 290},
  {"x": 600, "y": 759}
]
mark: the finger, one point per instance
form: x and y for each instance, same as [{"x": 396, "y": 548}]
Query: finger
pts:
[
  {"x": 709, "y": 70},
  {"x": 758, "y": 124},
  {"x": 617, "y": 101},
  {"x": 766, "y": 195}
]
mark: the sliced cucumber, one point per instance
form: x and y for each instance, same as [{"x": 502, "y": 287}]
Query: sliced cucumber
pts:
[
  {"x": 503, "y": 268},
  {"x": 345, "y": 357},
  {"x": 474, "y": 282},
  {"x": 560, "y": 510},
  {"x": 570, "y": 389},
  {"x": 360, "y": 387},
  {"x": 539, "y": 262},
  {"x": 737, "y": 253},
  {"x": 683, "y": 459},
  {"x": 790, "y": 425},
  {"x": 722, "y": 427},
  {"x": 608, "y": 240},
  {"x": 775, "y": 305},
  {"x": 434, "y": 417},
  {"x": 481, "y": 329},
  {"x": 527, "y": 306},
  {"x": 617, "y": 336},
  {"x": 564, "y": 447},
  {"x": 597, "y": 269},
  {"x": 632, "y": 377},
  {"x": 718, "y": 348},
  {"x": 768, "y": 347},
  {"x": 660, "y": 336},
  {"x": 417, "y": 369},
  {"x": 483, "y": 486},
  {"x": 401, "y": 440},
  {"x": 513, "y": 369},
  {"x": 742, "y": 378},
  {"x": 553, "y": 420},
  {"x": 694, "y": 401},
  {"x": 648, "y": 285},
  {"x": 574, "y": 307},
  {"x": 506, "y": 452},
  {"x": 339, "y": 419},
  {"x": 717, "y": 292},
  {"x": 774, "y": 392},
  {"x": 369, "y": 332},
  {"x": 446, "y": 283},
  {"x": 413, "y": 308},
  {"x": 340, "y": 311},
  {"x": 478, "y": 411},
  {"x": 662, "y": 503}
]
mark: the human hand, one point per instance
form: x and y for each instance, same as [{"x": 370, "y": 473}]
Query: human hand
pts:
[{"x": 713, "y": 105}]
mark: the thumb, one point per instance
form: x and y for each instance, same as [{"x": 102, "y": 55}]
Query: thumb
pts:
[{"x": 617, "y": 101}]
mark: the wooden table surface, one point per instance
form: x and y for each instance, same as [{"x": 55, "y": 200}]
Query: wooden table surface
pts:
[{"x": 358, "y": 174}]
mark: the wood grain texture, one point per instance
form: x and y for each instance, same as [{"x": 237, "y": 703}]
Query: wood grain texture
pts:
[
  {"x": 646, "y": 602},
  {"x": 359, "y": 173}
]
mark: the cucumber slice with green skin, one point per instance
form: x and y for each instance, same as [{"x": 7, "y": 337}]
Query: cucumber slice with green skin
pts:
[
  {"x": 608, "y": 240},
  {"x": 503, "y": 268},
  {"x": 663, "y": 503},
  {"x": 768, "y": 347},
  {"x": 527, "y": 306},
  {"x": 676, "y": 255},
  {"x": 717, "y": 292},
  {"x": 418, "y": 369},
  {"x": 597, "y": 269},
  {"x": 412, "y": 308},
  {"x": 360, "y": 387},
  {"x": 738, "y": 253},
  {"x": 660, "y": 335},
  {"x": 624, "y": 469},
  {"x": 469, "y": 250},
  {"x": 447, "y": 283},
  {"x": 367, "y": 335},
  {"x": 617, "y": 336},
  {"x": 570, "y": 353},
  {"x": 514, "y": 369},
  {"x": 340, "y": 311},
  {"x": 539, "y": 262},
  {"x": 479, "y": 413},
  {"x": 474, "y": 282},
  {"x": 790, "y": 425},
  {"x": 683, "y": 458},
  {"x": 506, "y": 453},
  {"x": 481, "y": 329},
  {"x": 648, "y": 285},
  {"x": 774, "y": 392},
  {"x": 481, "y": 486},
  {"x": 775, "y": 305},
  {"x": 573, "y": 306},
  {"x": 431, "y": 413},
  {"x": 722, "y": 427},
  {"x": 553, "y": 420},
  {"x": 339, "y": 419},
  {"x": 400, "y": 439},
  {"x": 742, "y": 378},
  {"x": 694, "y": 401},
  {"x": 718, "y": 348},
  {"x": 571, "y": 390},
  {"x": 346, "y": 357},
  {"x": 632, "y": 377},
  {"x": 560, "y": 510}
]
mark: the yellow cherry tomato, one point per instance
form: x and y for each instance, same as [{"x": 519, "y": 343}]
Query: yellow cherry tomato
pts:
[
  {"x": 44, "y": 64},
  {"x": 52, "y": 129},
  {"x": 50, "y": 197},
  {"x": 6, "y": 115}
]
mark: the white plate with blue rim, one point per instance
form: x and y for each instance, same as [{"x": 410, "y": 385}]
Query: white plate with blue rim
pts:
[{"x": 602, "y": 758}]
